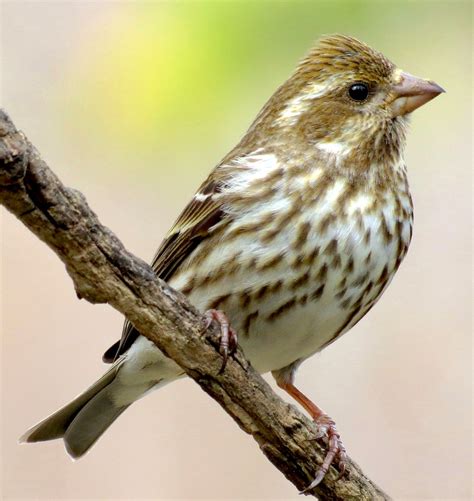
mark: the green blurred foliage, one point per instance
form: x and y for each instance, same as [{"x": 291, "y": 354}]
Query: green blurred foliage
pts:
[
  {"x": 150, "y": 66},
  {"x": 182, "y": 79}
]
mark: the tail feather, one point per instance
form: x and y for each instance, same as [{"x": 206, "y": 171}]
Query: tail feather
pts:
[
  {"x": 81, "y": 422},
  {"x": 95, "y": 405},
  {"x": 90, "y": 423}
]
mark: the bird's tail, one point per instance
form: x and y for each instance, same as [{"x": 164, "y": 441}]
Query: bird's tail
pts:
[{"x": 81, "y": 422}]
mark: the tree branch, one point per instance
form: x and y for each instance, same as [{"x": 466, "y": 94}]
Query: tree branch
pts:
[{"x": 103, "y": 271}]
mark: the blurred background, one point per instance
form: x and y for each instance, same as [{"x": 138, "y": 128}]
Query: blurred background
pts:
[{"x": 133, "y": 103}]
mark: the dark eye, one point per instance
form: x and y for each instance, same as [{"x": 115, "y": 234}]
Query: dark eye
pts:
[{"x": 359, "y": 91}]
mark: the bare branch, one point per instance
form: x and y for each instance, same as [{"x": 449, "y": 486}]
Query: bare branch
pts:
[{"x": 103, "y": 271}]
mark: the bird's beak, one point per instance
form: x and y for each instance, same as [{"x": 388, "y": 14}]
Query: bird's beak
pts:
[{"x": 409, "y": 93}]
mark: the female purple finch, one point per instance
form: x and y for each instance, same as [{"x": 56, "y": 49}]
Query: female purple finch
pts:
[{"x": 289, "y": 242}]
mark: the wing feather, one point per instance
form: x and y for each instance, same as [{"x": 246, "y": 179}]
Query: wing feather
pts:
[{"x": 194, "y": 224}]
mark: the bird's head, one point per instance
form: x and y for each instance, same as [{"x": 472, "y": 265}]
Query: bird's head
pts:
[{"x": 344, "y": 94}]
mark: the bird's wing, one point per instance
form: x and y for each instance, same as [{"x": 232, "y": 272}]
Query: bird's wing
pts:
[{"x": 193, "y": 225}]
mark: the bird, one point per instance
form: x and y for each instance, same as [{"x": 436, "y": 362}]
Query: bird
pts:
[{"x": 288, "y": 243}]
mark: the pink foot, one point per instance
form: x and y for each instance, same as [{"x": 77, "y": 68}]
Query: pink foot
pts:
[
  {"x": 326, "y": 429},
  {"x": 228, "y": 339},
  {"x": 336, "y": 452}
]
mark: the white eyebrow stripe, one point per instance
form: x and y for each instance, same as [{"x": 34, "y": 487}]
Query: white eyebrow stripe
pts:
[
  {"x": 314, "y": 90},
  {"x": 299, "y": 104}
]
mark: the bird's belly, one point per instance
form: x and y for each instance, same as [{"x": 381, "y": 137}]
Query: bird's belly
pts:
[
  {"x": 300, "y": 332},
  {"x": 290, "y": 298},
  {"x": 299, "y": 321}
]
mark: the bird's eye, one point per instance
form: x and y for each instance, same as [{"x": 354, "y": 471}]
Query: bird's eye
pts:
[{"x": 359, "y": 91}]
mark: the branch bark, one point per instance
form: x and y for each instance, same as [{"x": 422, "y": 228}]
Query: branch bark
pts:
[{"x": 103, "y": 271}]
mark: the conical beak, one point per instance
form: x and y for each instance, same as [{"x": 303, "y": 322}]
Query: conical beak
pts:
[{"x": 409, "y": 93}]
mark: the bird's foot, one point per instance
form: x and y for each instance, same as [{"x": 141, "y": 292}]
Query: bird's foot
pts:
[
  {"x": 228, "y": 338},
  {"x": 336, "y": 452}
]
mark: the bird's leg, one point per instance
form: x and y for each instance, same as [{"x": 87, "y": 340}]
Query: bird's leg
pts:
[
  {"x": 326, "y": 428},
  {"x": 228, "y": 338}
]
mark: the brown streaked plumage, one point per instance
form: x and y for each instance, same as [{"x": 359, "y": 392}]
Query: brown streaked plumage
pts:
[{"x": 294, "y": 235}]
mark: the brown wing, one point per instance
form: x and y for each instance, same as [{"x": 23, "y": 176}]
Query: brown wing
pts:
[{"x": 193, "y": 226}]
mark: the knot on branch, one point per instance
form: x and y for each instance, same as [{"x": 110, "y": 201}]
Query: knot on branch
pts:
[{"x": 13, "y": 152}]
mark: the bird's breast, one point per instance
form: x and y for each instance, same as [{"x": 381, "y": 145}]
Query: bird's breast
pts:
[{"x": 295, "y": 271}]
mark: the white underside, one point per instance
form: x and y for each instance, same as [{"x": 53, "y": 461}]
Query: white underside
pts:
[{"x": 302, "y": 330}]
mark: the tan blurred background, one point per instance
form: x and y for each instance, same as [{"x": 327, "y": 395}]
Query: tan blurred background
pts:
[{"x": 133, "y": 104}]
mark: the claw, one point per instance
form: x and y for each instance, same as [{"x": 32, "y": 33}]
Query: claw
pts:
[
  {"x": 317, "y": 480},
  {"x": 228, "y": 339},
  {"x": 326, "y": 430},
  {"x": 343, "y": 473},
  {"x": 336, "y": 451},
  {"x": 208, "y": 318}
]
